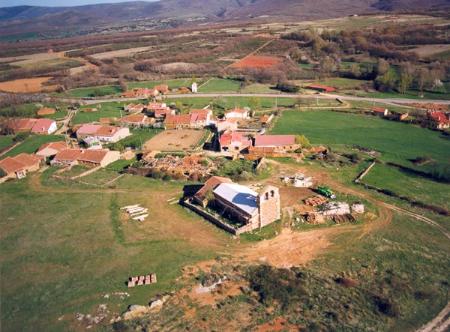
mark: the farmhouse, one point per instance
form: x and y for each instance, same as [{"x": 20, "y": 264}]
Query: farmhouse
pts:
[
  {"x": 232, "y": 141},
  {"x": 163, "y": 89},
  {"x": 160, "y": 110},
  {"x": 240, "y": 203},
  {"x": 277, "y": 143},
  {"x": 321, "y": 88},
  {"x": 19, "y": 166},
  {"x": 134, "y": 108},
  {"x": 439, "y": 119},
  {"x": 380, "y": 111},
  {"x": 49, "y": 150},
  {"x": 136, "y": 120},
  {"x": 91, "y": 158},
  {"x": 107, "y": 134},
  {"x": 227, "y": 124},
  {"x": 196, "y": 119},
  {"x": 238, "y": 113},
  {"x": 141, "y": 93},
  {"x": 36, "y": 126},
  {"x": 46, "y": 111}
]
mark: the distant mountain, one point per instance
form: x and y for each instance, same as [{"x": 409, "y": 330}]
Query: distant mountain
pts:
[{"x": 21, "y": 19}]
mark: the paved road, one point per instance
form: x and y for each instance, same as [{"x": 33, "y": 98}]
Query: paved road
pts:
[{"x": 268, "y": 95}]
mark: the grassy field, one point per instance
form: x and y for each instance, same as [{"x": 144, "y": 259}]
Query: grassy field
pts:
[
  {"x": 32, "y": 143},
  {"x": 231, "y": 102},
  {"x": 408, "y": 185},
  {"x": 341, "y": 83},
  {"x": 29, "y": 110},
  {"x": 220, "y": 85},
  {"x": 397, "y": 142},
  {"x": 137, "y": 139},
  {"x": 104, "y": 110},
  {"x": 259, "y": 88},
  {"x": 6, "y": 141},
  {"x": 63, "y": 251},
  {"x": 94, "y": 91},
  {"x": 173, "y": 84}
]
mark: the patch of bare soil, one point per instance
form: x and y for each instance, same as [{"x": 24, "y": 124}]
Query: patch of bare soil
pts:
[
  {"x": 291, "y": 248},
  {"x": 278, "y": 324},
  {"x": 27, "y": 85}
]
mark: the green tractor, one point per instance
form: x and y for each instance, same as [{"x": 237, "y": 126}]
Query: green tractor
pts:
[{"x": 325, "y": 191}]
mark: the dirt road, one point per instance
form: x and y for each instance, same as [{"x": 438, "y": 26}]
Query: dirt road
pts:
[{"x": 441, "y": 323}]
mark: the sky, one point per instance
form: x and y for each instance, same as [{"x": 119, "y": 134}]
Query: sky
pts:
[{"x": 56, "y": 3}]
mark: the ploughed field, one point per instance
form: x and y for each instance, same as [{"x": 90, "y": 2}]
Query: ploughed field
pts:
[{"x": 175, "y": 140}]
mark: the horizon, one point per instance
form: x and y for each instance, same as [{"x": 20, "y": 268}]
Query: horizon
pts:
[{"x": 56, "y": 3}]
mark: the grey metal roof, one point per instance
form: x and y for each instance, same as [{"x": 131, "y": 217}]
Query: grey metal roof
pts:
[{"x": 242, "y": 197}]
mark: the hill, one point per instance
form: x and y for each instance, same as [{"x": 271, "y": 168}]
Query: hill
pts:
[{"x": 26, "y": 19}]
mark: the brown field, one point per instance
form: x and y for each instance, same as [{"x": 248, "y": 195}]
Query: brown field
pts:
[
  {"x": 427, "y": 50},
  {"x": 175, "y": 140},
  {"x": 256, "y": 61},
  {"x": 121, "y": 53},
  {"x": 27, "y": 85},
  {"x": 25, "y": 60}
]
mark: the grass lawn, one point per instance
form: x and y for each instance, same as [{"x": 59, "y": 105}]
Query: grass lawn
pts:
[
  {"x": 5, "y": 141},
  {"x": 396, "y": 141},
  {"x": 63, "y": 251},
  {"x": 220, "y": 85},
  {"x": 32, "y": 143},
  {"x": 414, "y": 187},
  {"x": 29, "y": 110},
  {"x": 104, "y": 110}
]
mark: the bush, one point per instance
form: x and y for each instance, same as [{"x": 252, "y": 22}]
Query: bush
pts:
[
  {"x": 21, "y": 137},
  {"x": 287, "y": 87},
  {"x": 283, "y": 286}
]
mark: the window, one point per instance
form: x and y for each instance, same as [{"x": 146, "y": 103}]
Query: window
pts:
[
  {"x": 267, "y": 196},
  {"x": 272, "y": 193}
]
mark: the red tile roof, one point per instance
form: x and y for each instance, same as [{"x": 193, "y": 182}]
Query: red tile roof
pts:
[
  {"x": 41, "y": 126},
  {"x": 134, "y": 118},
  {"x": 380, "y": 110},
  {"x": 21, "y": 124},
  {"x": 274, "y": 140},
  {"x": 181, "y": 119},
  {"x": 211, "y": 184},
  {"x": 100, "y": 130},
  {"x": 19, "y": 162},
  {"x": 321, "y": 87},
  {"x": 228, "y": 138},
  {"x": 71, "y": 155},
  {"x": 58, "y": 146},
  {"x": 439, "y": 117},
  {"x": 46, "y": 111}
]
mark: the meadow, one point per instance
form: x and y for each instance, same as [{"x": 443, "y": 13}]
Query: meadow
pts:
[
  {"x": 220, "y": 85},
  {"x": 104, "y": 110},
  {"x": 397, "y": 142},
  {"x": 411, "y": 186},
  {"x": 32, "y": 143},
  {"x": 63, "y": 250}
]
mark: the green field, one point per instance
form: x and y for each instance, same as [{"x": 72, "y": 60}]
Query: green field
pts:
[
  {"x": 104, "y": 110},
  {"x": 413, "y": 187},
  {"x": 220, "y": 85},
  {"x": 95, "y": 91},
  {"x": 61, "y": 252},
  {"x": 259, "y": 88},
  {"x": 32, "y": 143},
  {"x": 137, "y": 139},
  {"x": 5, "y": 141},
  {"x": 397, "y": 142},
  {"x": 231, "y": 102},
  {"x": 173, "y": 84},
  {"x": 29, "y": 110}
]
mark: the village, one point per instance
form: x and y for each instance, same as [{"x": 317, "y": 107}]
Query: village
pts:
[{"x": 193, "y": 146}]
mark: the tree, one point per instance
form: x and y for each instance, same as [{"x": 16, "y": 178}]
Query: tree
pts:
[
  {"x": 423, "y": 79},
  {"x": 303, "y": 141},
  {"x": 382, "y": 66},
  {"x": 123, "y": 85},
  {"x": 355, "y": 70},
  {"x": 254, "y": 103},
  {"x": 406, "y": 77}
]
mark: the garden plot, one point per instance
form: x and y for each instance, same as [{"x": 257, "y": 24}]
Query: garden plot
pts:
[{"x": 175, "y": 140}]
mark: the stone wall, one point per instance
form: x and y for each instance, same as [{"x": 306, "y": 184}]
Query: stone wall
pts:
[{"x": 269, "y": 206}]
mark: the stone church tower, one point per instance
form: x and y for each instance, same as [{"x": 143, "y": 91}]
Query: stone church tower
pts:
[{"x": 269, "y": 205}]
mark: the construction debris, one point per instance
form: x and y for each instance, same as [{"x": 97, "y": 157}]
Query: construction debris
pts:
[
  {"x": 142, "y": 280},
  {"x": 316, "y": 201},
  {"x": 299, "y": 180},
  {"x": 335, "y": 209},
  {"x": 136, "y": 212}
]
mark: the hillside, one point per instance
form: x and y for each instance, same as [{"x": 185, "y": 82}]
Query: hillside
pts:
[{"x": 26, "y": 19}]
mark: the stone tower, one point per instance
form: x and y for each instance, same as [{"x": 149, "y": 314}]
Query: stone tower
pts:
[{"x": 269, "y": 205}]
